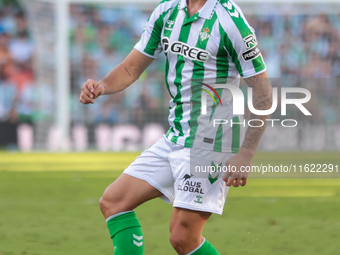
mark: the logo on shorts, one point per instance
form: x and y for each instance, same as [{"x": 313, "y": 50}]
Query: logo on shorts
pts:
[
  {"x": 187, "y": 177},
  {"x": 190, "y": 186},
  {"x": 198, "y": 199},
  {"x": 214, "y": 168}
]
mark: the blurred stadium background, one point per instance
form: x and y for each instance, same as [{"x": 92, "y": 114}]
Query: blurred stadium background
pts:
[
  {"x": 49, "y": 201},
  {"x": 49, "y": 48}
]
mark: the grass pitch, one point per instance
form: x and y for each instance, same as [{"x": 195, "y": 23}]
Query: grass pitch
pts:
[{"x": 49, "y": 205}]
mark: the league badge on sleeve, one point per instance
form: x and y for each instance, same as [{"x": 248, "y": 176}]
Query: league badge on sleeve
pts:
[{"x": 253, "y": 50}]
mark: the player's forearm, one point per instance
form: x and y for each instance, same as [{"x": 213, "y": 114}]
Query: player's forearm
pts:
[
  {"x": 262, "y": 100},
  {"x": 118, "y": 79},
  {"x": 253, "y": 136},
  {"x": 126, "y": 73}
]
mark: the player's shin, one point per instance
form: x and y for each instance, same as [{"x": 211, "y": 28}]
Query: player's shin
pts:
[
  {"x": 205, "y": 248},
  {"x": 126, "y": 233}
]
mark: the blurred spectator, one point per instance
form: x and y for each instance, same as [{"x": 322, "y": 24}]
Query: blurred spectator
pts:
[
  {"x": 21, "y": 48},
  {"x": 6, "y": 63},
  {"x": 7, "y": 100}
]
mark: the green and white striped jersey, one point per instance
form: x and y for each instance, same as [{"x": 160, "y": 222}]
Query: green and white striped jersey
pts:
[{"x": 214, "y": 46}]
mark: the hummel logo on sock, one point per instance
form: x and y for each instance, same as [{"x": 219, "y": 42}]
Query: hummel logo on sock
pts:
[{"x": 138, "y": 238}]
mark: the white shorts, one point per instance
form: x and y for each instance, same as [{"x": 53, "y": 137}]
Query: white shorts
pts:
[{"x": 166, "y": 166}]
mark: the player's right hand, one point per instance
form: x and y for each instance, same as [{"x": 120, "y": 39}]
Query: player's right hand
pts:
[{"x": 90, "y": 91}]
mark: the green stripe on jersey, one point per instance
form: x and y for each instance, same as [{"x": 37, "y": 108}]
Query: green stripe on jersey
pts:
[
  {"x": 236, "y": 133},
  {"x": 231, "y": 50},
  {"x": 222, "y": 69},
  {"x": 167, "y": 33},
  {"x": 183, "y": 37},
  {"x": 244, "y": 30},
  {"x": 171, "y": 130},
  {"x": 218, "y": 139},
  {"x": 222, "y": 61},
  {"x": 166, "y": 77},
  {"x": 155, "y": 37},
  {"x": 213, "y": 108},
  {"x": 196, "y": 87}
]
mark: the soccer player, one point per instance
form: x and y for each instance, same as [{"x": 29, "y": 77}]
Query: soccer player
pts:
[{"x": 207, "y": 43}]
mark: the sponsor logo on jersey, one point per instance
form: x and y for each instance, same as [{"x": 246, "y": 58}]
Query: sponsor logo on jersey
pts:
[
  {"x": 251, "y": 54},
  {"x": 185, "y": 50},
  {"x": 191, "y": 186},
  {"x": 169, "y": 25},
  {"x": 204, "y": 34}
]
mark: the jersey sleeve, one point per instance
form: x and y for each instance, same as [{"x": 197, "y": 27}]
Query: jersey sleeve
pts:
[
  {"x": 150, "y": 42},
  {"x": 241, "y": 43}
]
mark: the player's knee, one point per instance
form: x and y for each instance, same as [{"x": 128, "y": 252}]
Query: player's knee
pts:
[
  {"x": 184, "y": 238},
  {"x": 181, "y": 238},
  {"x": 108, "y": 206},
  {"x": 178, "y": 241},
  {"x": 103, "y": 204},
  {"x": 111, "y": 205}
]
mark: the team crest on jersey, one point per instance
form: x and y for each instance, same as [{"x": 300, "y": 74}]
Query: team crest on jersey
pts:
[{"x": 204, "y": 34}]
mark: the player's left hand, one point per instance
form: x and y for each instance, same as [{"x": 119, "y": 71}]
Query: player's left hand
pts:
[{"x": 238, "y": 173}]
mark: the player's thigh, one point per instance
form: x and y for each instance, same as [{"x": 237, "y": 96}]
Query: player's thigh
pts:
[{"x": 126, "y": 193}]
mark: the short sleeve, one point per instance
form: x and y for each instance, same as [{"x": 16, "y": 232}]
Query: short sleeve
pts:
[
  {"x": 150, "y": 42},
  {"x": 241, "y": 43}
]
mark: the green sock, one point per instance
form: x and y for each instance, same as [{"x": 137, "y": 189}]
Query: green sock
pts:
[
  {"x": 126, "y": 234},
  {"x": 205, "y": 248}
]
